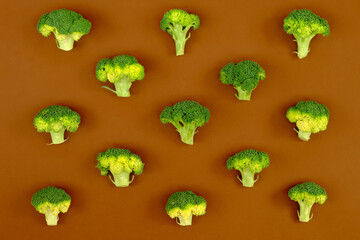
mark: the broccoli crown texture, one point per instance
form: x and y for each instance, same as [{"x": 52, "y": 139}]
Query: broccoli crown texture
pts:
[
  {"x": 185, "y": 112},
  {"x": 51, "y": 199},
  {"x": 250, "y": 159},
  {"x": 245, "y": 74},
  {"x": 178, "y": 17},
  {"x": 56, "y": 118},
  {"x": 63, "y": 22},
  {"x": 309, "y": 116},
  {"x": 185, "y": 204},
  {"x": 117, "y": 161},
  {"x": 308, "y": 192},
  {"x": 303, "y": 24},
  {"x": 118, "y": 68}
]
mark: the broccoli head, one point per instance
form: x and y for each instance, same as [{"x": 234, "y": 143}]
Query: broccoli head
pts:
[
  {"x": 248, "y": 162},
  {"x": 55, "y": 120},
  {"x": 120, "y": 162},
  {"x": 183, "y": 205},
  {"x": 51, "y": 201},
  {"x": 122, "y": 71},
  {"x": 186, "y": 116},
  {"x": 304, "y": 25},
  {"x": 244, "y": 76},
  {"x": 306, "y": 194},
  {"x": 310, "y": 117},
  {"x": 66, "y": 25},
  {"x": 177, "y": 23}
]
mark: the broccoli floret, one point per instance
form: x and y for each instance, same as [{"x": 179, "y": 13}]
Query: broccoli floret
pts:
[
  {"x": 183, "y": 205},
  {"x": 55, "y": 120},
  {"x": 120, "y": 162},
  {"x": 306, "y": 194},
  {"x": 177, "y": 23},
  {"x": 248, "y": 162},
  {"x": 51, "y": 201},
  {"x": 304, "y": 25},
  {"x": 67, "y": 26},
  {"x": 244, "y": 76},
  {"x": 122, "y": 71},
  {"x": 186, "y": 116},
  {"x": 310, "y": 117}
]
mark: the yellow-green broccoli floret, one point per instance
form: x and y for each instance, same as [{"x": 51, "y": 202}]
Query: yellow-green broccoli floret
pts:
[
  {"x": 51, "y": 201},
  {"x": 304, "y": 25},
  {"x": 55, "y": 120},
  {"x": 177, "y": 23},
  {"x": 66, "y": 25},
  {"x": 183, "y": 205},
  {"x": 120, "y": 163},
  {"x": 310, "y": 117},
  {"x": 122, "y": 71},
  {"x": 244, "y": 76},
  {"x": 307, "y": 194},
  {"x": 248, "y": 162},
  {"x": 186, "y": 116}
]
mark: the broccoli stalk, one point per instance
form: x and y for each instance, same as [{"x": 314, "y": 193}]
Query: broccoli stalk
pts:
[
  {"x": 187, "y": 132},
  {"x": 243, "y": 95},
  {"x": 310, "y": 117},
  {"x": 120, "y": 163},
  {"x": 122, "y": 71},
  {"x": 307, "y": 194},
  {"x": 121, "y": 179},
  {"x": 184, "y": 221},
  {"x": 303, "y": 45},
  {"x": 248, "y": 162},
  {"x": 55, "y": 120},
  {"x": 304, "y": 213},
  {"x": 183, "y": 205},
  {"x": 177, "y": 23},
  {"x": 51, "y": 201},
  {"x": 244, "y": 76},
  {"x": 186, "y": 116},
  {"x": 304, "y": 25},
  {"x": 67, "y": 27},
  {"x": 248, "y": 177},
  {"x": 51, "y": 218}
]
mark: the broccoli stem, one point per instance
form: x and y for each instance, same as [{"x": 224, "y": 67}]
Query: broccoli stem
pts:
[
  {"x": 305, "y": 209},
  {"x": 305, "y": 136},
  {"x": 179, "y": 36},
  {"x": 185, "y": 221},
  {"x": 243, "y": 95},
  {"x": 51, "y": 218},
  {"x": 247, "y": 177},
  {"x": 65, "y": 44},
  {"x": 57, "y": 137},
  {"x": 303, "y": 46},
  {"x": 122, "y": 179},
  {"x": 187, "y": 133},
  {"x": 122, "y": 87}
]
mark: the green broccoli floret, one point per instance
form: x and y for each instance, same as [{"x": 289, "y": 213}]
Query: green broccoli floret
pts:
[
  {"x": 183, "y": 205},
  {"x": 67, "y": 26},
  {"x": 248, "y": 162},
  {"x": 55, "y": 120},
  {"x": 120, "y": 162},
  {"x": 304, "y": 25},
  {"x": 186, "y": 116},
  {"x": 177, "y": 23},
  {"x": 51, "y": 201},
  {"x": 310, "y": 117},
  {"x": 244, "y": 76},
  {"x": 122, "y": 71},
  {"x": 306, "y": 194}
]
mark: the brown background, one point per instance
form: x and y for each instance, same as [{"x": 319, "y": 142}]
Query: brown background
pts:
[{"x": 35, "y": 74}]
